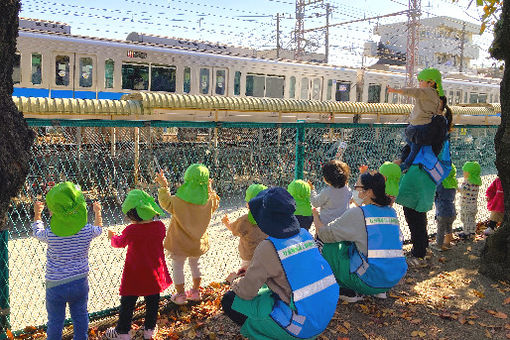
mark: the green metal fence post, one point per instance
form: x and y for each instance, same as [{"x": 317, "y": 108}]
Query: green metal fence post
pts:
[
  {"x": 4, "y": 284},
  {"x": 300, "y": 150}
]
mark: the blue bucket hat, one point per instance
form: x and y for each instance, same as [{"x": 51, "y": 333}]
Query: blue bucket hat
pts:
[{"x": 273, "y": 210}]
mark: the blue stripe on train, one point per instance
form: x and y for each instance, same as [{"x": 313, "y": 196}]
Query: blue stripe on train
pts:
[{"x": 35, "y": 92}]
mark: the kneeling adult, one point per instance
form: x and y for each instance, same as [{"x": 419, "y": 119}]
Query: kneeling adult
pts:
[{"x": 289, "y": 290}]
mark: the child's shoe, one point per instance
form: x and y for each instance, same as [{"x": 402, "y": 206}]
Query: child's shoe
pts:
[
  {"x": 112, "y": 334},
  {"x": 193, "y": 295},
  {"x": 150, "y": 333},
  {"x": 349, "y": 295},
  {"x": 465, "y": 236},
  {"x": 381, "y": 295},
  {"x": 178, "y": 298},
  {"x": 488, "y": 231}
]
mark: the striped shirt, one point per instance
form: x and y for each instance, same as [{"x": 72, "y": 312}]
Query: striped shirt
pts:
[
  {"x": 67, "y": 257},
  {"x": 469, "y": 195}
]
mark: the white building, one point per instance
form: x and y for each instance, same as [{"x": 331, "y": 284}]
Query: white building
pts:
[{"x": 444, "y": 43}]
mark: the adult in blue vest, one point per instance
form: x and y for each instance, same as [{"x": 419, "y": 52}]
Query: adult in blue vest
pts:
[
  {"x": 289, "y": 290},
  {"x": 364, "y": 245}
]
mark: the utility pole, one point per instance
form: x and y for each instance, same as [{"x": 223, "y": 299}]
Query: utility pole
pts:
[
  {"x": 413, "y": 22},
  {"x": 326, "y": 38},
  {"x": 299, "y": 32},
  {"x": 461, "y": 65},
  {"x": 277, "y": 35}
]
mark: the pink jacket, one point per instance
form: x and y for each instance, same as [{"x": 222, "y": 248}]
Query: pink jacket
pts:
[{"x": 495, "y": 196}]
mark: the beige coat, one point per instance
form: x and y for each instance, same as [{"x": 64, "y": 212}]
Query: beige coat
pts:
[
  {"x": 186, "y": 235},
  {"x": 249, "y": 234},
  {"x": 426, "y": 106}
]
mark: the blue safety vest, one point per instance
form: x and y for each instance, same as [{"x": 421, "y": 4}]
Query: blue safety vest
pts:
[
  {"x": 438, "y": 167},
  {"x": 385, "y": 263},
  {"x": 314, "y": 288}
]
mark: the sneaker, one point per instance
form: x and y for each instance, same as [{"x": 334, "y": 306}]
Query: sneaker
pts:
[
  {"x": 111, "y": 333},
  {"x": 349, "y": 295},
  {"x": 442, "y": 248},
  {"x": 193, "y": 295},
  {"x": 416, "y": 262},
  {"x": 465, "y": 236},
  {"x": 319, "y": 244},
  {"x": 488, "y": 231},
  {"x": 178, "y": 298},
  {"x": 381, "y": 295},
  {"x": 150, "y": 333}
]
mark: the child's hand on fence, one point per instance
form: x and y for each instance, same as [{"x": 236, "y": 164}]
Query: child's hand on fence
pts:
[
  {"x": 98, "y": 217},
  {"x": 226, "y": 221},
  {"x": 209, "y": 185},
  {"x": 96, "y": 206},
  {"x": 38, "y": 208},
  {"x": 110, "y": 234},
  {"x": 161, "y": 179},
  {"x": 363, "y": 169}
]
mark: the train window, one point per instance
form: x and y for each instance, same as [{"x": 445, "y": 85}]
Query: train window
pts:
[
  {"x": 465, "y": 97},
  {"x": 292, "y": 89},
  {"x": 86, "y": 72},
  {"x": 330, "y": 88},
  {"x": 482, "y": 98},
  {"x": 374, "y": 93},
  {"x": 450, "y": 98},
  {"x": 186, "y": 86},
  {"x": 204, "y": 80},
  {"x": 394, "y": 99},
  {"x": 135, "y": 76},
  {"x": 163, "y": 78},
  {"x": 109, "y": 66},
  {"x": 36, "y": 68},
  {"x": 237, "y": 83},
  {"x": 473, "y": 98},
  {"x": 343, "y": 90},
  {"x": 255, "y": 85},
  {"x": 16, "y": 73},
  {"x": 62, "y": 70},
  {"x": 275, "y": 86},
  {"x": 386, "y": 95},
  {"x": 496, "y": 98},
  {"x": 304, "y": 88},
  {"x": 220, "y": 82},
  {"x": 458, "y": 97},
  {"x": 316, "y": 89},
  {"x": 490, "y": 101}
]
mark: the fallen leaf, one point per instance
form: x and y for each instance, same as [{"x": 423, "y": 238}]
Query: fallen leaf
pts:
[
  {"x": 471, "y": 322},
  {"x": 500, "y": 315},
  {"x": 342, "y": 329},
  {"x": 478, "y": 294},
  {"x": 416, "y": 321},
  {"x": 508, "y": 335},
  {"x": 506, "y": 301},
  {"x": 347, "y": 325},
  {"x": 488, "y": 334},
  {"x": 507, "y": 326},
  {"x": 418, "y": 333},
  {"x": 442, "y": 259},
  {"x": 462, "y": 319}
]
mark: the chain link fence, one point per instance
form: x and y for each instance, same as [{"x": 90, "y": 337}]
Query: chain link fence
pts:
[{"x": 109, "y": 158}]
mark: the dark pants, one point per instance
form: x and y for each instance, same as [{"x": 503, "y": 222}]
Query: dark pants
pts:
[
  {"x": 417, "y": 222},
  {"x": 305, "y": 221},
  {"x": 226, "y": 304},
  {"x": 127, "y": 306}
]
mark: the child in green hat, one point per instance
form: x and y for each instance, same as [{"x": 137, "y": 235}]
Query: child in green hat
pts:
[
  {"x": 391, "y": 173},
  {"x": 191, "y": 208},
  {"x": 469, "y": 199},
  {"x": 67, "y": 265},
  {"x": 300, "y": 191},
  {"x": 246, "y": 228},
  {"x": 145, "y": 272},
  {"x": 427, "y": 121},
  {"x": 445, "y": 210}
]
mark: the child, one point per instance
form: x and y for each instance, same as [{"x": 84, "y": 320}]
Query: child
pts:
[
  {"x": 445, "y": 210},
  {"x": 469, "y": 199},
  {"x": 246, "y": 228},
  {"x": 425, "y": 122},
  {"x": 495, "y": 205},
  {"x": 191, "y": 209},
  {"x": 300, "y": 191},
  {"x": 145, "y": 272},
  {"x": 67, "y": 263},
  {"x": 391, "y": 173},
  {"x": 334, "y": 199}
]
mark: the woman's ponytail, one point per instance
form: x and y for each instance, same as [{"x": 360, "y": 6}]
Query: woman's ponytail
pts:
[
  {"x": 377, "y": 183},
  {"x": 447, "y": 113}
]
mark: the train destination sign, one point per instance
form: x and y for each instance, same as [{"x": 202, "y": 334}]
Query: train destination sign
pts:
[{"x": 136, "y": 54}]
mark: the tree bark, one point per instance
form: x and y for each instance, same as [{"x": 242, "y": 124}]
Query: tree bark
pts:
[{"x": 495, "y": 257}]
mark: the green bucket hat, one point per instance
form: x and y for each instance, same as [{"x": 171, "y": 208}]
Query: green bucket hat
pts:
[
  {"x": 301, "y": 190},
  {"x": 252, "y": 191},
  {"x": 143, "y": 203},
  {"x": 451, "y": 182},
  {"x": 473, "y": 168},
  {"x": 196, "y": 181},
  {"x": 392, "y": 173},
  {"x": 68, "y": 207},
  {"x": 432, "y": 74}
]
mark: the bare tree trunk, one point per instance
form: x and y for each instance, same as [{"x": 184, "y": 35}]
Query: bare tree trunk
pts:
[{"x": 495, "y": 260}]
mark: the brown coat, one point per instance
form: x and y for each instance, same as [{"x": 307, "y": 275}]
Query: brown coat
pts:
[
  {"x": 186, "y": 235},
  {"x": 426, "y": 106},
  {"x": 249, "y": 234}
]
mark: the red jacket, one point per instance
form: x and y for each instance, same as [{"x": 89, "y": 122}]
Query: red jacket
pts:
[
  {"x": 495, "y": 196},
  {"x": 145, "y": 271}
]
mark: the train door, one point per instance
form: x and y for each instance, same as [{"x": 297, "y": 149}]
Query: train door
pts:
[
  {"x": 343, "y": 90},
  {"x": 220, "y": 81},
  {"x": 85, "y": 79}
]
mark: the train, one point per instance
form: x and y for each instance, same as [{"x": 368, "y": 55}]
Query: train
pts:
[{"x": 51, "y": 62}]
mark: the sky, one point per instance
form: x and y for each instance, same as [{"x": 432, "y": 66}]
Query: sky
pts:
[{"x": 247, "y": 23}]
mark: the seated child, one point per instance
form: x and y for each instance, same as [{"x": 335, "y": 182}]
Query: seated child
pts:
[
  {"x": 67, "y": 265},
  {"x": 469, "y": 199},
  {"x": 246, "y": 228},
  {"x": 300, "y": 191},
  {"x": 145, "y": 272}
]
